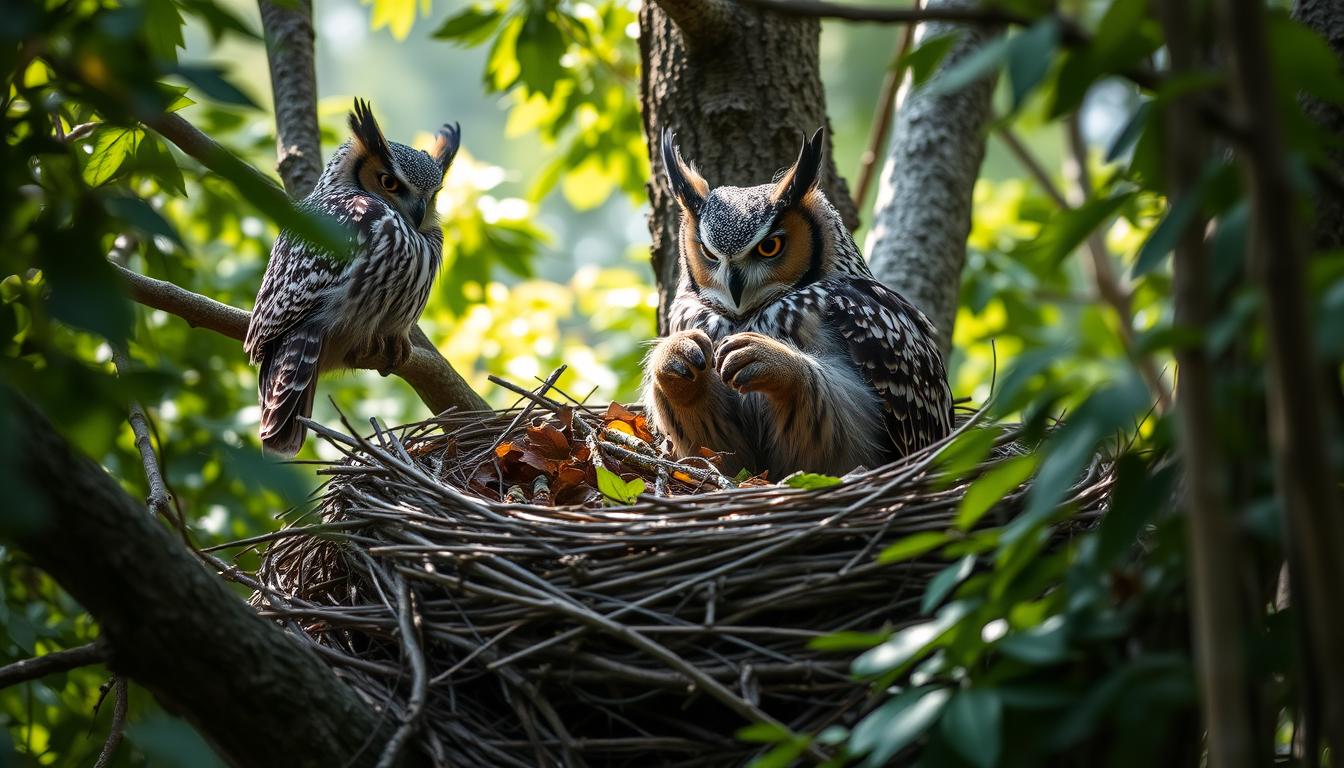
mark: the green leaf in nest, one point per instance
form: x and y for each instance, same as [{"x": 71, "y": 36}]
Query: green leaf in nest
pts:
[
  {"x": 810, "y": 480},
  {"x": 617, "y": 490}
]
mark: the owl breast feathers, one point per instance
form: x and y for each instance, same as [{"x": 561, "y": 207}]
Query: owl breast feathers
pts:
[{"x": 785, "y": 354}]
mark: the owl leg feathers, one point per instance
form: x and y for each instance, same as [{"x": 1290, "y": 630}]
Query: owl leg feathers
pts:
[
  {"x": 286, "y": 386},
  {"x": 819, "y": 405}
]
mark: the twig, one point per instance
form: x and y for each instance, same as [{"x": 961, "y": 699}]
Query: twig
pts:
[
  {"x": 886, "y": 106},
  {"x": 53, "y": 663},
  {"x": 415, "y": 705},
  {"x": 118, "y": 728}
]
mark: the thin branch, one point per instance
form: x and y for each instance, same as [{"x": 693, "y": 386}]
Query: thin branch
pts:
[
  {"x": 208, "y": 152},
  {"x": 1301, "y": 426},
  {"x": 428, "y": 372},
  {"x": 120, "y": 706},
  {"x": 886, "y": 105},
  {"x": 1032, "y": 166},
  {"x": 53, "y": 663},
  {"x": 989, "y": 17},
  {"x": 288, "y": 28}
]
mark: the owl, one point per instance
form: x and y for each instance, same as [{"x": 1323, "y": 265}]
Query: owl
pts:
[
  {"x": 784, "y": 352},
  {"x": 318, "y": 310}
]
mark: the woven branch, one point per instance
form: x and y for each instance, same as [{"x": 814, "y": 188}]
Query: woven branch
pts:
[{"x": 519, "y": 634}]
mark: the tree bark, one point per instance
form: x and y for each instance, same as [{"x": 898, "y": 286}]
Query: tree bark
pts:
[
  {"x": 1300, "y": 425},
  {"x": 259, "y": 697},
  {"x": 1219, "y": 622},
  {"x": 917, "y": 244},
  {"x": 288, "y": 27},
  {"x": 739, "y": 86}
]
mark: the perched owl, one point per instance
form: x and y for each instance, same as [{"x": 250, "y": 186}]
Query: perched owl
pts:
[
  {"x": 784, "y": 352},
  {"x": 319, "y": 310}
]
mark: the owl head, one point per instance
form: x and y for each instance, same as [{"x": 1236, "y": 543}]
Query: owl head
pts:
[
  {"x": 744, "y": 247},
  {"x": 407, "y": 179}
]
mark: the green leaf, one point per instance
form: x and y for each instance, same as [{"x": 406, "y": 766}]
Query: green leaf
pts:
[
  {"x": 980, "y": 63},
  {"x": 397, "y": 15},
  {"x": 471, "y": 27},
  {"x": 1068, "y": 229},
  {"x": 783, "y": 755},
  {"x": 897, "y": 723},
  {"x": 912, "y": 546},
  {"x": 1302, "y": 60},
  {"x": 1129, "y": 135},
  {"x": 1041, "y": 645},
  {"x": 923, "y": 61},
  {"x": 540, "y": 46},
  {"x": 112, "y": 145},
  {"x": 810, "y": 480},
  {"x": 141, "y": 216},
  {"x": 909, "y": 644},
  {"x": 211, "y": 82},
  {"x": 991, "y": 487},
  {"x": 973, "y": 724},
  {"x": 763, "y": 733},
  {"x": 1069, "y": 449},
  {"x": 848, "y": 641},
  {"x": 1029, "y": 56},
  {"x": 616, "y": 489},
  {"x": 945, "y": 581},
  {"x": 153, "y": 158},
  {"x": 162, "y": 29}
]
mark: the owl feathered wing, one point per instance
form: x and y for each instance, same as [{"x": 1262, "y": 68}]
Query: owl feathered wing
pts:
[
  {"x": 285, "y": 341},
  {"x": 893, "y": 346}
]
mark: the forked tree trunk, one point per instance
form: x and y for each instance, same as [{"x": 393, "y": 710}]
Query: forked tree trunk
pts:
[
  {"x": 740, "y": 87},
  {"x": 922, "y": 216}
]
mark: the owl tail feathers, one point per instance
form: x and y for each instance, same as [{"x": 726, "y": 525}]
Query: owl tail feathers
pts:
[{"x": 286, "y": 387}]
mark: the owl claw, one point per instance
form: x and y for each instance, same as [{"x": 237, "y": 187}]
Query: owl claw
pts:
[
  {"x": 751, "y": 362},
  {"x": 679, "y": 363}
]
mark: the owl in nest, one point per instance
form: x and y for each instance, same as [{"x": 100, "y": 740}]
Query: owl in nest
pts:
[{"x": 784, "y": 353}]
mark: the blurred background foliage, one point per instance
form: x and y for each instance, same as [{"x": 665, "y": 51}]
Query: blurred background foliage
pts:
[{"x": 547, "y": 263}]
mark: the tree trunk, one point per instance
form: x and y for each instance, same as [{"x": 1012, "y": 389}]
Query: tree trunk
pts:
[
  {"x": 740, "y": 87},
  {"x": 922, "y": 216},
  {"x": 258, "y": 696}
]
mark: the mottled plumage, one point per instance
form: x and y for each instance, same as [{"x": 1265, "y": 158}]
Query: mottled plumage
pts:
[
  {"x": 319, "y": 310},
  {"x": 784, "y": 352}
]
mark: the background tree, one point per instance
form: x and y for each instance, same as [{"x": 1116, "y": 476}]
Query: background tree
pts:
[{"x": 1097, "y": 163}]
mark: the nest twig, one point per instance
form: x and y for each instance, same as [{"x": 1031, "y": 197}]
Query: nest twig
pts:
[{"x": 498, "y": 625}]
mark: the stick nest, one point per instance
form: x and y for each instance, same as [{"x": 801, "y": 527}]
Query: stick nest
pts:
[{"x": 492, "y": 626}]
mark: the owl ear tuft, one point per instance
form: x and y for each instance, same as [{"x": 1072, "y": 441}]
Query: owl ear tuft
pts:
[
  {"x": 689, "y": 187},
  {"x": 446, "y": 143},
  {"x": 367, "y": 133},
  {"x": 805, "y": 173}
]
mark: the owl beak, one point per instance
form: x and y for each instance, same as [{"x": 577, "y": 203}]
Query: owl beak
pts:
[
  {"x": 736, "y": 282},
  {"x": 418, "y": 212}
]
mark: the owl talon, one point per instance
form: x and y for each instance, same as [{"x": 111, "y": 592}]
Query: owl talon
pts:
[
  {"x": 751, "y": 362},
  {"x": 679, "y": 365}
]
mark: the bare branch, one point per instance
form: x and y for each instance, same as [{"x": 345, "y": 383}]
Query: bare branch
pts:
[
  {"x": 974, "y": 15},
  {"x": 288, "y": 27},
  {"x": 53, "y": 663},
  {"x": 120, "y": 705},
  {"x": 1217, "y": 620},
  {"x": 428, "y": 372},
  {"x": 1300, "y": 423},
  {"x": 886, "y": 106},
  {"x": 206, "y": 150}
]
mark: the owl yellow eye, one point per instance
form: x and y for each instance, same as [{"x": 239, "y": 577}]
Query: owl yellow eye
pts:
[
  {"x": 388, "y": 182},
  {"x": 770, "y": 247}
]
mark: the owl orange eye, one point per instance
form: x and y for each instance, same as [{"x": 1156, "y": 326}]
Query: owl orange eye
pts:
[
  {"x": 388, "y": 182},
  {"x": 770, "y": 247}
]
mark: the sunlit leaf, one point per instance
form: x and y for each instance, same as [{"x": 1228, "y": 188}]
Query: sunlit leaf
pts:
[{"x": 897, "y": 723}]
